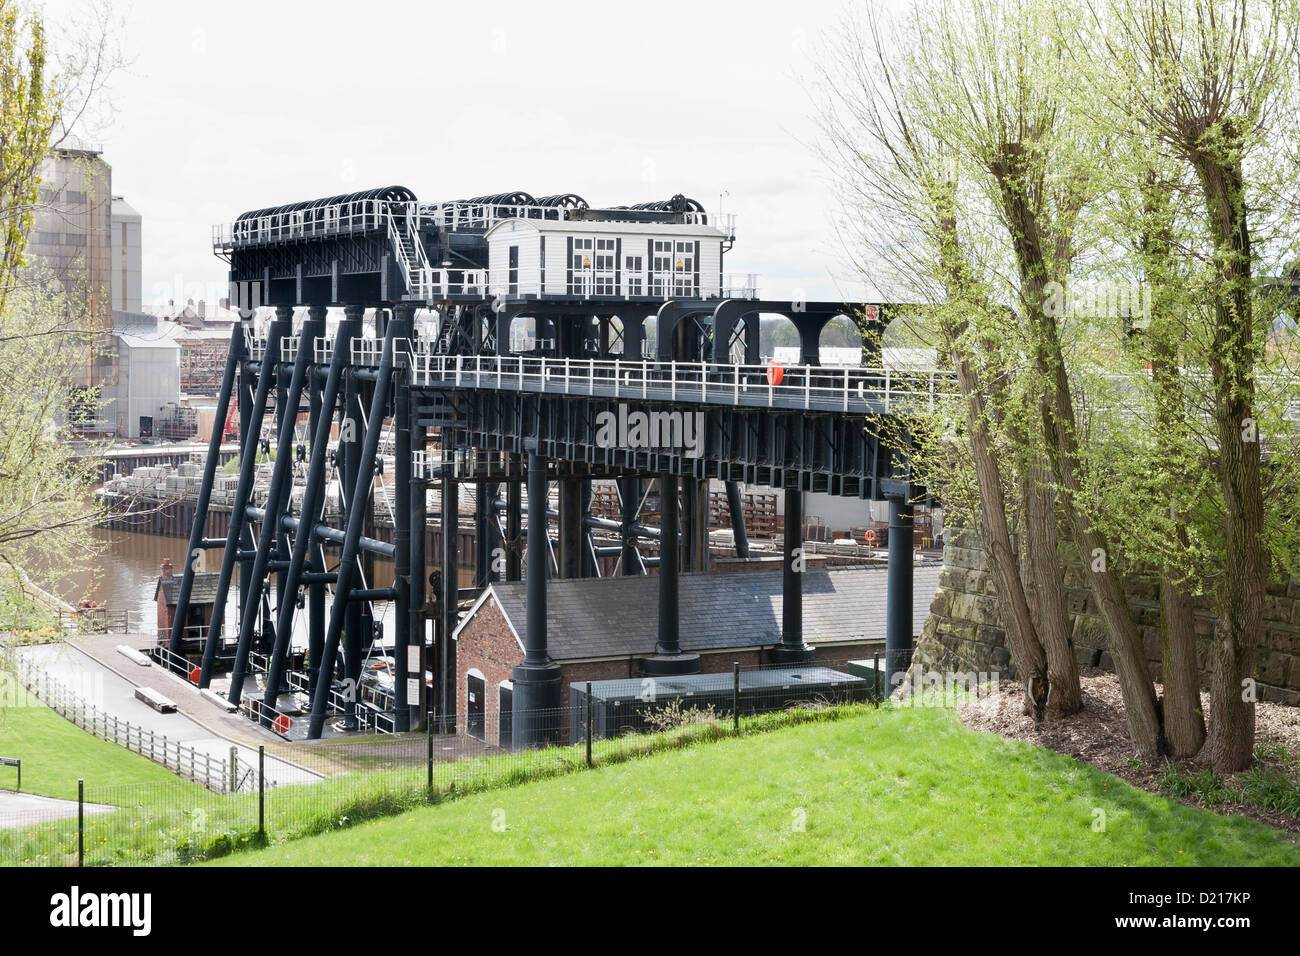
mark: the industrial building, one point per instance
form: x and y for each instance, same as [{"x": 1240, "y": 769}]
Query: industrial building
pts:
[{"x": 630, "y": 315}]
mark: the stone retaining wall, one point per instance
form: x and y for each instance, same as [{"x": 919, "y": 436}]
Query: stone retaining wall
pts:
[{"x": 965, "y": 629}]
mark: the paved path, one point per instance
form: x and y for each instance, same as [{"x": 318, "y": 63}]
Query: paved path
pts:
[
  {"x": 24, "y": 809},
  {"x": 93, "y": 669}
]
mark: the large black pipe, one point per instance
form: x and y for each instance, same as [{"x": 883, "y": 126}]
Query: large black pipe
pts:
[
  {"x": 281, "y": 474},
  {"x": 535, "y": 699},
  {"x": 448, "y": 600},
  {"x": 351, "y": 544},
  {"x": 629, "y": 490},
  {"x": 233, "y": 358},
  {"x": 403, "y": 320},
  {"x": 247, "y": 467},
  {"x": 420, "y": 706},
  {"x": 514, "y": 529},
  {"x": 669, "y": 658},
  {"x": 669, "y": 644},
  {"x": 737, "y": 510},
  {"x": 898, "y": 594},
  {"x": 792, "y": 649},
  {"x": 592, "y": 521},
  {"x": 313, "y": 498},
  {"x": 323, "y": 532}
]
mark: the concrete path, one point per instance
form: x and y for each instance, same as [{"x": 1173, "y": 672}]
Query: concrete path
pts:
[
  {"x": 24, "y": 809},
  {"x": 93, "y": 669}
]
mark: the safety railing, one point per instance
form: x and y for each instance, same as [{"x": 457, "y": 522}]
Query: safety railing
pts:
[
  {"x": 363, "y": 215},
  {"x": 95, "y": 620},
  {"x": 185, "y": 761},
  {"x": 857, "y": 390},
  {"x": 431, "y": 283},
  {"x": 620, "y": 284}
]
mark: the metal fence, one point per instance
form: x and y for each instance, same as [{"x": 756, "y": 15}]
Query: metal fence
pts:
[
  {"x": 187, "y": 762},
  {"x": 364, "y": 777}
]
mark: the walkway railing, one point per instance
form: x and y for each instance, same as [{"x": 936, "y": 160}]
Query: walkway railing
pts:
[{"x": 814, "y": 388}]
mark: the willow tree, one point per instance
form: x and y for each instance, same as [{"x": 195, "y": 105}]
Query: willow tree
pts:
[
  {"x": 1215, "y": 83},
  {"x": 44, "y": 332},
  {"x": 898, "y": 164}
]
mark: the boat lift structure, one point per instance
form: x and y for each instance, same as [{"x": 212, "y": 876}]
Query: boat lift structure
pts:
[{"x": 629, "y": 313}]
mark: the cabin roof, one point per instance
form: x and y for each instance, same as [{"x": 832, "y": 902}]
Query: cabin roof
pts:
[{"x": 618, "y": 616}]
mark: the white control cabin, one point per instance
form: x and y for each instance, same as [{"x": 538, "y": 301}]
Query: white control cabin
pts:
[{"x": 597, "y": 259}]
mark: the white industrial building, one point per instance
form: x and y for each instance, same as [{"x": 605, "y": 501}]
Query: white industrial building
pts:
[
  {"x": 593, "y": 259},
  {"x": 125, "y": 262}
]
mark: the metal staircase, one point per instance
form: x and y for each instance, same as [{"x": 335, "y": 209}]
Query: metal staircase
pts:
[{"x": 403, "y": 231}]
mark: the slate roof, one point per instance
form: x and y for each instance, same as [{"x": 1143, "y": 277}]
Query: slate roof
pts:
[
  {"x": 203, "y": 591},
  {"x": 618, "y": 616}
]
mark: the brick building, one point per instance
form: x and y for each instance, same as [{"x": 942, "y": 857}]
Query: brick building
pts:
[
  {"x": 599, "y": 628},
  {"x": 202, "y": 597}
]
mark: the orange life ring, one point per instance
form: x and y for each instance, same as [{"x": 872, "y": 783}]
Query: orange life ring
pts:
[
  {"x": 775, "y": 373},
  {"x": 282, "y": 724},
  {"x": 195, "y": 675},
  {"x": 871, "y": 536}
]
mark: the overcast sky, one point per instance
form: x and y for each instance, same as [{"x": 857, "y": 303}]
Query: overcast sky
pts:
[{"x": 239, "y": 105}]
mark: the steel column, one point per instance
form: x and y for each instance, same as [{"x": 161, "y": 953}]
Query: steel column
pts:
[
  {"x": 737, "y": 509},
  {"x": 535, "y": 699},
  {"x": 417, "y": 508},
  {"x": 282, "y": 471},
  {"x": 669, "y": 658},
  {"x": 199, "y": 529},
  {"x": 351, "y": 543},
  {"x": 312, "y": 501},
  {"x": 514, "y": 530},
  {"x": 247, "y": 467},
  {"x": 629, "y": 490},
  {"x": 898, "y": 594},
  {"x": 447, "y": 601},
  {"x": 402, "y": 325},
  {"x": 792, "y": 649}
]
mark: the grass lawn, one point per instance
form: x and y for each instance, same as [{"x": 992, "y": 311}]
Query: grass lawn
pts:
[
  {"x": 894, "y": 786},
  {"x": 55, "y": 752}
]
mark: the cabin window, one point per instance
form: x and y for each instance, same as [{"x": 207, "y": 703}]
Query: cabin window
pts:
[
  {"x": 605, "y": 265},
  {"x": 661, "y": 267},
  {"x": 633, "y": 266},
  {"x": 684, "y": 269},
  {"x": 514, "y": 271},
  {"x": 580, "y": 265}
]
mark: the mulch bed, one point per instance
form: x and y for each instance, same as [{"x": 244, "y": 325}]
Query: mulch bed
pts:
[{"x": 1099, "y": 735}]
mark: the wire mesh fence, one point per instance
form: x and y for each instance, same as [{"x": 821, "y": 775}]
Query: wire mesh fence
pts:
[{"x": 491, "y": 743}]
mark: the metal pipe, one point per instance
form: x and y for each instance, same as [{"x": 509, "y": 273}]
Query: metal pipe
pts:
[
  {"x": 197, "y": 540},
  {"x": 898, "y": 594},
  {"x": 402, "y": 323},
  {"x": 737, "y": 510},
  {"x": 247, "y": 466},
  {"x": 535, "y": 653},
  {"x": 669, "y": 644}
]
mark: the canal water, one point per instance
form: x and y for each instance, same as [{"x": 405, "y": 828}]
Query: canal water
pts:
[{"x": 128, "y": 575}]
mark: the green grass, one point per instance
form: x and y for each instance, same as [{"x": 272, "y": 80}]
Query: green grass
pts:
[
  {"x": 55, "y": 752},
  {"x": 892, "y": 786}
]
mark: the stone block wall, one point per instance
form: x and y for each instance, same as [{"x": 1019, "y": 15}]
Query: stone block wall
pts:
[{"x": 965, "y": 630}]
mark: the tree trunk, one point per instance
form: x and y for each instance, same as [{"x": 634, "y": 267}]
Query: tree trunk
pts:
[
  {"x": 1183, "y": 720},
  {"x": 1232, "y": 370},
  {"x": 1066, "y": 696},
  {"x": 1026, "y": 651},
  {"x": 1010, "y": 168}
]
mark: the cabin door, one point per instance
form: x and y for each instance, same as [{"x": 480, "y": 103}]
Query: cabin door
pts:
[{"x": 475, "y": 706}]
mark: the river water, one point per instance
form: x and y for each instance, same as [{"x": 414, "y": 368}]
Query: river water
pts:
[{"x": 128, "y": 575}]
